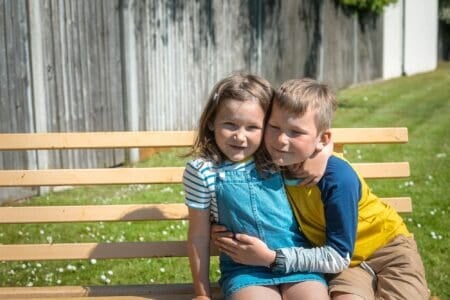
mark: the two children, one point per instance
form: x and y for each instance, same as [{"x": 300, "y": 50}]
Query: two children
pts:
[
  {"x": 231, "y": 180},
  {"x": 362, "y": 242}
]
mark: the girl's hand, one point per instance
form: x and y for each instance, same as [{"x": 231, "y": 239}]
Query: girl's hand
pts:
[
  {"x": 201, "y": 298},
  {"x": 220, "y": 231},
  {"x": 247, "y": 250}
]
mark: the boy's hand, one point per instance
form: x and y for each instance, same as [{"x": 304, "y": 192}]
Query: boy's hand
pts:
[
  {"x": 247, "y": 250},
  {"x": 312, "y": 169},
  {"x": 202, "y": 298}
]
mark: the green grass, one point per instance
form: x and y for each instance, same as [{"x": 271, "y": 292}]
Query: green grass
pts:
[{"x": 421, "y": 103}]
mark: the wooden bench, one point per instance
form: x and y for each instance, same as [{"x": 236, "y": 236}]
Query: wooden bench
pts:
[{"x": 133, "y": 212}]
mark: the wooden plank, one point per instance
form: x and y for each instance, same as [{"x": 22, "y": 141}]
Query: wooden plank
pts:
[
  {"x": 90, "y": 213},
  {"x": 90, "y": 176},
  {"x": 9, "y": 178},
  {"x": 67, "y": 251},
  {"x": 132, "y": 212},
  {"x": 152, "y": 291},
  {"x": 370, "y": 135},
  {"x": 383, "y": 170},
  {"x": 401, "y": 204},
  {"x": 85, "y": 140}
]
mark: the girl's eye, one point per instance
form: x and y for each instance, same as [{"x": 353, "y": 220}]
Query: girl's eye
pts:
[
  {"x": 229, "y": 125},
  {"x": 254, "y": 127},
  {"x": 271, "y": 126}
]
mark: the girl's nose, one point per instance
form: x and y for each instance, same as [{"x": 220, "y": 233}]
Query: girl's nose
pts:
[{"x": 240, "y": 136}]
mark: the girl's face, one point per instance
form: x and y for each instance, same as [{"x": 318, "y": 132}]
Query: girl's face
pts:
[{"x": 238, "y": 128}]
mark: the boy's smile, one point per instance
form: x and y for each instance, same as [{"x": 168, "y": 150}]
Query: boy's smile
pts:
[{"x": 290, "y": 138}]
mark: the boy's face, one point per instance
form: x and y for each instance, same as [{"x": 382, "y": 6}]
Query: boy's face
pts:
[{"x": 290, "y": 138}]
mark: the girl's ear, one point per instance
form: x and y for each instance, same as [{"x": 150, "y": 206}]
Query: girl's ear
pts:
[
  {"x": 211, "y": 126},
  {"x": 324, "y": 139}
]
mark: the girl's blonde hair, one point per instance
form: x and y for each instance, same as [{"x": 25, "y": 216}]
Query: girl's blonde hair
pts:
[{"x": 240, "y": 87}]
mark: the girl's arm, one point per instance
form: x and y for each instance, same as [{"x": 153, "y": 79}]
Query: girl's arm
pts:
[{"x": 198, "y": 250}]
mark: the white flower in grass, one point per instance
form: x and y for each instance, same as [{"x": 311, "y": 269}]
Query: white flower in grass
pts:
[
  {"x": 167, "y": 190},
  {"x": 11, "y": 272},
  {"x": 60, "y": 270},
  {"x": 58, "y": 281},
  {"x": 38, "y": 265},
  {"x": 110, "y": 272},
  {"x": 103, "y": 277},
  {"x": 88, "y": 228},
  {"x": 93, "y": 261},
  {"x": 182, "y": 193},
  {"x": 41, "y": 231},
  {"x": 441, "y": 155},
  {"x": 218, "y": 271},
  {"x": 24, "y": 266},
  {"x": 49, "y": 239},
  {"x": 162, "y": 270},
  {"x": 30, "y": 284},
  {"x": 164, "y": 232},
  {"x": 419, "y": 225},
  {"x": 71, "y": 268},
  {"x": 141, "y": 239},
  {"x": 152, "y": 280},
  {"x": 20, "y": 232},
  {"x": 409, "y": 219},
  {"x": 433, "y": 235}
]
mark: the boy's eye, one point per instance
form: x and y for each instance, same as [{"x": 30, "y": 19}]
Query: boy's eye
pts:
[{"x": 272, "y": 126}]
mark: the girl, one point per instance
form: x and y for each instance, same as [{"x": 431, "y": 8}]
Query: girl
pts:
[{"x": 229, "y": 181}]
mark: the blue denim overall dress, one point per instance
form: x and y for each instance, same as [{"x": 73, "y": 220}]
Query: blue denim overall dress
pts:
[{"x": 259, "y": 207}]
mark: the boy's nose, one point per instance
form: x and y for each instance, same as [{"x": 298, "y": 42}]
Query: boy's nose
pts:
[{"x": 282, "y": 139}]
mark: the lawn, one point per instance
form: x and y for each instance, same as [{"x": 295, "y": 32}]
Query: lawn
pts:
[{"x": 421, "y": 103}]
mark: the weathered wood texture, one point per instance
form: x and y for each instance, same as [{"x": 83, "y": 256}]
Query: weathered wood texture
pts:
[{"x": 114, "y": 65}]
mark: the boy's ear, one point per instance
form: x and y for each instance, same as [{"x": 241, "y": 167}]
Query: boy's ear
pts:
[
  {"x": 210, "y": 126},
  {"x": 324, "y": 139}
]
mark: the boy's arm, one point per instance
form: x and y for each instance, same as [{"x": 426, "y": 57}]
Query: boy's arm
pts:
[
  {"x": 198, "y": 250},
  {"x": 340, "y": 198},
  {"x": 312, "y": 169}
]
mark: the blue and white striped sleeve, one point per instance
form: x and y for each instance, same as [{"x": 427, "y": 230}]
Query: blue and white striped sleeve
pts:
[{"x": 197, "y": 193}]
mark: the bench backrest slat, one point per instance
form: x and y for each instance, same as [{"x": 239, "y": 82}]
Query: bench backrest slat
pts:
[
  {"x": 138, "y": 139},
  {"x": 67, "y": 251},
  {"x": 56, "y": 177},
  {"x": 122, "y": 213}
]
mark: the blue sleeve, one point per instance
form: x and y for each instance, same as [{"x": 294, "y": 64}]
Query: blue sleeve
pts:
[{"x": 341, "y": 191}]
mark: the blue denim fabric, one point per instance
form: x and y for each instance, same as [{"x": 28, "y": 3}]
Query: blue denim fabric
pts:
[{"x": 259, "y": 207}]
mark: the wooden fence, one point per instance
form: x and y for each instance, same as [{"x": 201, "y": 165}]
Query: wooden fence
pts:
[{"x": 112, "y": 65}]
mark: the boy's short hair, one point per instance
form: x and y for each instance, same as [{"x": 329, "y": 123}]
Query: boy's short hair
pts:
[{"x": 299, "y": 95}]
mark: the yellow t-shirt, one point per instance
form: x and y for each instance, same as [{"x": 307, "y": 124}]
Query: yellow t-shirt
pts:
[{"x": 359, "y": 223}]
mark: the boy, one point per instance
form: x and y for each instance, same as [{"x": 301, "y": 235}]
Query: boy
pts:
[{"x": 362, "y": 242}]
